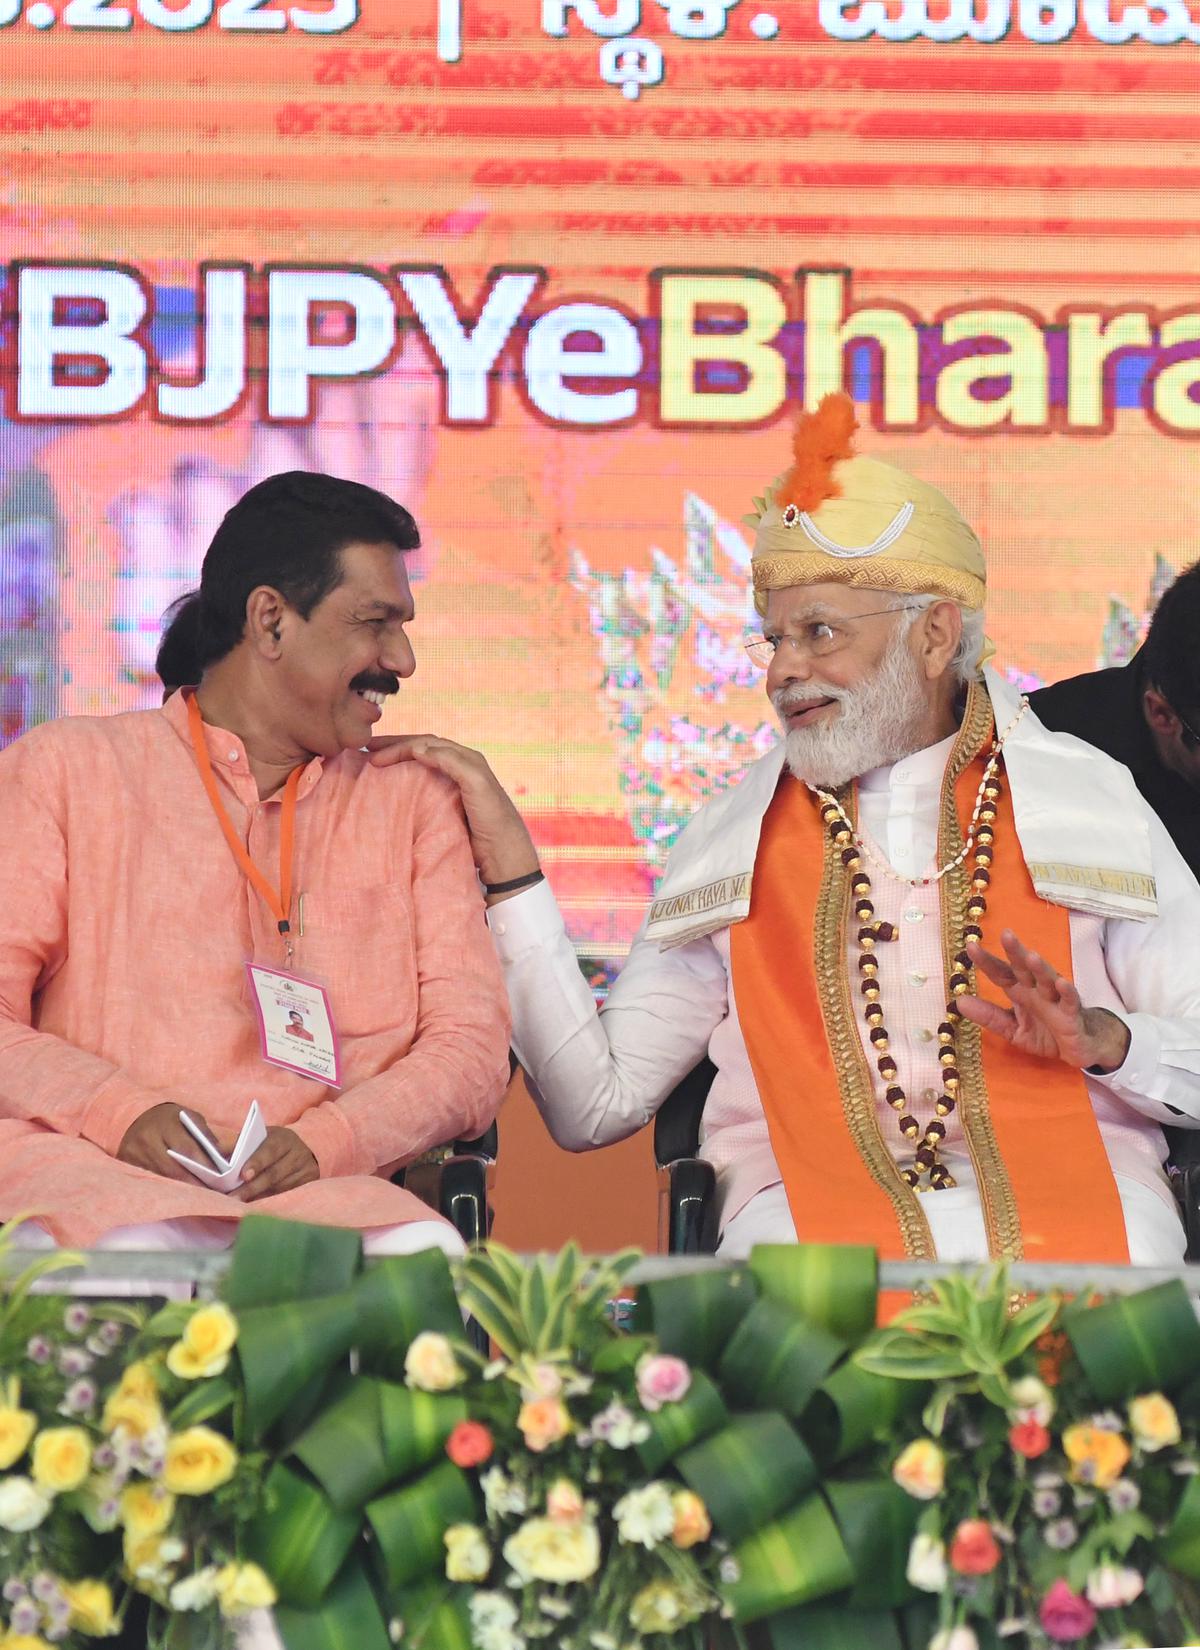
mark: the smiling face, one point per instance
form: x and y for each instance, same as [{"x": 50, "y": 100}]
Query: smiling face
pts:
[
  {"x": 333, "y": 670},
  {"x": 868, "y": 682}
]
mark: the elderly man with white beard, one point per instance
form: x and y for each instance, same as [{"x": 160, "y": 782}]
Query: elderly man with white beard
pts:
[{"x": 944, "y": 961}]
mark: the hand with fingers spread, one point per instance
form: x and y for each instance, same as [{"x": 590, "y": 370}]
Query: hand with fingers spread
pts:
[
  {"x": 280, "y": 1164},
  {"x": 500, "y": 839},
  {"x": 1046, "y": 1016},
  {"x": 148, "y": 1139}
]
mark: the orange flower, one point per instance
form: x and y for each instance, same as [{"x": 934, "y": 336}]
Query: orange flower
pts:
[
  {"x": 470, "y": 1444},
  {"x": 1097, "y": 1456},
  {"x": 974, "y": 1550},
  {"x": 544, "y": 1421},
  {"x": 1030, "y": 1439},
  {"x": 1054, "y": 1348}
]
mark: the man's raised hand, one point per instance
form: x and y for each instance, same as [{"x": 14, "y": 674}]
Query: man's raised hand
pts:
[
  {"x": 1045, "y": 1015},
  {"x": 500, "y": 839}
]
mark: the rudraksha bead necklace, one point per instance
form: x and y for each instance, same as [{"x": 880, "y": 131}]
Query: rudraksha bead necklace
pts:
[{"x": 981, "y": 836}]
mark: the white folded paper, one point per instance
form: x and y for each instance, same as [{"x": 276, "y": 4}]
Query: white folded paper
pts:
[{"x": 226, "y": 1172}]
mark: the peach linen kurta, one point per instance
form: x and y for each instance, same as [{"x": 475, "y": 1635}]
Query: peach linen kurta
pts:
[{"x": 125, "y": 927}]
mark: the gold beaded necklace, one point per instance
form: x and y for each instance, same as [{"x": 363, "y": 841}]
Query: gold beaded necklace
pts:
[{"x": 981, "y": 836}]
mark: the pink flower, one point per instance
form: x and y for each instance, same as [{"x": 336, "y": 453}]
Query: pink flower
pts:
[
  {"x": 1065, "y": 1615},
  {"x": 662, "y": 1380}
]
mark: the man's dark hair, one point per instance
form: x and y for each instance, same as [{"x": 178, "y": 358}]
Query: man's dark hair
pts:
[
  {"x": 179, "y": 650},
  {"x": 289, "y": 533},
  {"x": 1172, "y": 650}
]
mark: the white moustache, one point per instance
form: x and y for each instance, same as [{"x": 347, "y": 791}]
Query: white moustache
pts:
[{"x": 786, "y": 699}]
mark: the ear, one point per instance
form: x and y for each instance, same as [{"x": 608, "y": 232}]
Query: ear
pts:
[
  {"x": 938, "y": 632},
  {"x": 265, "y": 614},
  {"x": 1159, "y": 714}
]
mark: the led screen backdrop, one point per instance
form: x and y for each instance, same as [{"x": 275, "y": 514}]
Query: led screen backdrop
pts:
[{"x": 556, "y": 273}]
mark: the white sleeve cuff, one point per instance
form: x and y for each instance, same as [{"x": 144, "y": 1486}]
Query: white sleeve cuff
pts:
[
  {"x": 526, "y": 922},
  {"x": 1136, "y": 1073}
]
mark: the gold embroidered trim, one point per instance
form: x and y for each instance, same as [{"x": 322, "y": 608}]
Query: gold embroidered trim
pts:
[
  {"x": 856, "y": 1084},
  {"x": 701, "y": 899},
  {"x": 1001, "y": 1215},
  {"x": 1136, "y": 884},
  {"x": 911, "y": 578}
]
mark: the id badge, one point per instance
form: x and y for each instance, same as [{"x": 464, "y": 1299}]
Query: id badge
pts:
[{"x": 295, "y": 1024}]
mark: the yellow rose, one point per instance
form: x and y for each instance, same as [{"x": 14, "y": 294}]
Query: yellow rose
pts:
[
  {"x": 543, "y": 1550},
  {"x": 23, "y": 1641},
  {"x": 243, "y": 1587},
  {"x": 146, "y": 1509},
  {"x": 91, "y": 1608},
  {"x": 1097, "y": 1456},
  {"x": 1153, "y": 1422},
  {"x": 544, "y": 1421},
  {"x": 921, "y": 1469},
  {"x": 62, "y": 1458},
  {"x": 16, "y": 1429},
  {"x": 148, "y": 1560},
  {"x": 430, "y": 1363},
  {"x": 137, "y": 1415},
  {"x": 692, "y": 1523},
  {"x": 468, "y": 1556},
  {"x": 139, "y": 1381},
  {"x": 197, "y": 1461},
  {"x": 203, "y": 1349}
]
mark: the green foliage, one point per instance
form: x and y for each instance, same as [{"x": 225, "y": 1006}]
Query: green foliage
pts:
[
  {"x": 971, "y": 1332},
  {"x": 549, "y": 1310}
]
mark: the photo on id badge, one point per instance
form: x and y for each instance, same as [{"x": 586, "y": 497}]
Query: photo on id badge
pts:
[{"x": 295, "y": 1024}]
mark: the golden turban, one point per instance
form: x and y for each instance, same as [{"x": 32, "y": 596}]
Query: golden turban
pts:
[{"x": 838, "y": 516}]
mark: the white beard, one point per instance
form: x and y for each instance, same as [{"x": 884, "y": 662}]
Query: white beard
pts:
[{"x": 878, "y": 722}]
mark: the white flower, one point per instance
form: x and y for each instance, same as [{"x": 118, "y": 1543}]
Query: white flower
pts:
[
  {"x": 927, "y": 1563},
  {"x": 430, "y": 1363},
  {"x": 1112, "y": 1586},
  {"x": 1124, "y": 1495},
  {"x": 503, "y": 1496},
  {"x": 1032, "y": 1400},
  {"x": 954, "y": 1638},
  {"x": 22, "y": 1505},
  {"x": 645, "y": 1516},
  {"x": 730, "y": 1570},
  {"x": 195, "y": 1592},
  {"x": 493, "y": 1619},
  {"x": 492, "y": 1610},
  {"x": 1010, "y": 1626},
  {"x": 468, "y": 1556},
  {"x": 619, "y": 1427},
  {"x": 542, "y": 1550}
]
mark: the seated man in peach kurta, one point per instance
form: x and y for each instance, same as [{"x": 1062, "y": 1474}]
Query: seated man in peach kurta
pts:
[{"x": 154, "y": 918}]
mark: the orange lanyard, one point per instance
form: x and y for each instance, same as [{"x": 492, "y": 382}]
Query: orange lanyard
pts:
[{"x": 278, "y": 902}]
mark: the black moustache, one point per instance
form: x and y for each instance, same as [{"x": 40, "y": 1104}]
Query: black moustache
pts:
[{"x": 375, "y": 684}]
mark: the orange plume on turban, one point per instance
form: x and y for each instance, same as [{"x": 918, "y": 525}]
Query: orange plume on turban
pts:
[{"x": 823, "y": 438}]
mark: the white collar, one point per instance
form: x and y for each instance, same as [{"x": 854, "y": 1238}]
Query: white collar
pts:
[{"x": 918, "y": 769}]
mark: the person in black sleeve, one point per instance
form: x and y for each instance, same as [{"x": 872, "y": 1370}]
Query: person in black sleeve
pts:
[{"x": 1146, "y": 714}]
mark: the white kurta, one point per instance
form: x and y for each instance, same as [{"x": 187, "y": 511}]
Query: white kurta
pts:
[{"x": 598, "y": 1078}]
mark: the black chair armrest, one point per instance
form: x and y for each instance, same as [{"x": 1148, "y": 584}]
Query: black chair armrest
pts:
[
  {"x": 463, "y": 1196},
  {"x": 688, "y": 1207},
  {"x": 1186, "y": 1185}
]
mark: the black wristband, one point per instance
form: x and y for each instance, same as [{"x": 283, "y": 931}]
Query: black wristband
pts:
[{"x": 527, "y": 881}]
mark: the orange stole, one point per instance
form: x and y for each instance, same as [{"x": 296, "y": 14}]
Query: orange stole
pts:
[{"x": 1055, "y": 1177}]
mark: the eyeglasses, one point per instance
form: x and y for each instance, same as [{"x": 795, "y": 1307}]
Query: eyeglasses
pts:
[
  {"x": 1190, "y": 736},
  {"x": 818, "y": 637}
]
